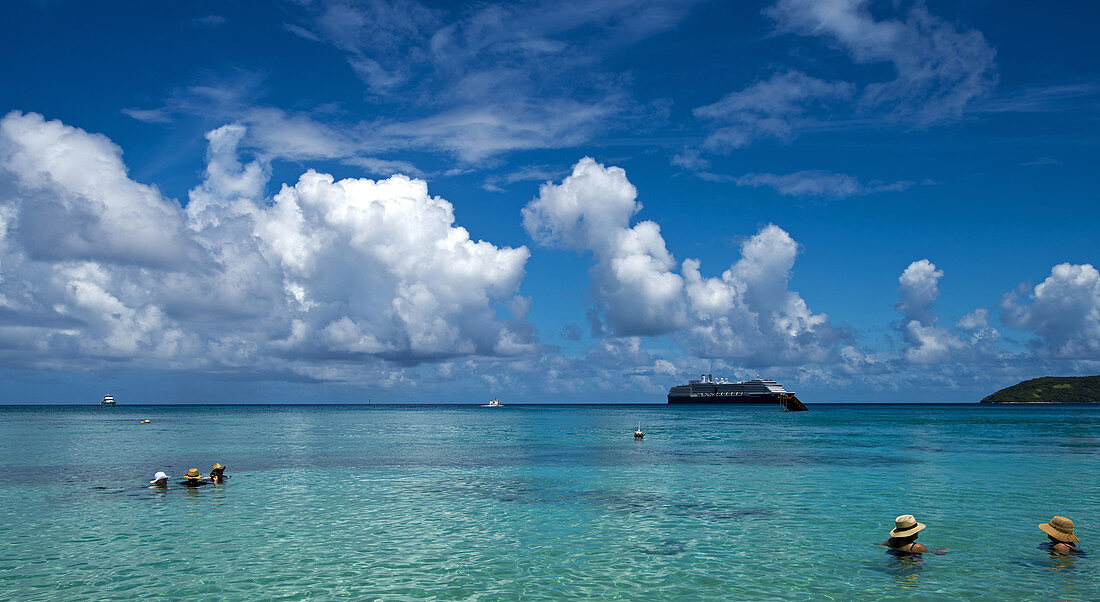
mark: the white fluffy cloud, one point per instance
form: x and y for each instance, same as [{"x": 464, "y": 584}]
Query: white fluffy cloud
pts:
[
  {"x": 75, "y": 201},
  {"x": 1063, "y": 310},
  {"x": 927, "y": 343},
  {"x": 96, "y": 267},
  {"x": 919, "y": 287},
  {"x": 634, "y": 273},
  {"x": 931, "y": 344},
  {"x": 747, "y": 313},
  {"x": 383, "y": 269}
]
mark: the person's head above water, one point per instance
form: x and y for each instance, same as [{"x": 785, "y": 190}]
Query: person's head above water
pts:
[
  {"x": 906, "y": 526},
  {"x": 1059, "y": 529},
  {"x": 217, "y": 469},
  {"x": 903, "y": 537},
  {"x": 193, "y": 475},
  {"x": 159, "y": 479}
]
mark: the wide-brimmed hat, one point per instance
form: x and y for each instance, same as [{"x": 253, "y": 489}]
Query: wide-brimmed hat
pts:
[
  {"x": 216, "y": 467},
  {"x": 905, "y": 525},
  {"x": 157, "y": 477},
  {"x": 193, "y": 474},
  {"x": 1060, "y": 528}
]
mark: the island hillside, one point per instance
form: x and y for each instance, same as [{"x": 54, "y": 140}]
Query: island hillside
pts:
[{"x": 1050, "y": 389}]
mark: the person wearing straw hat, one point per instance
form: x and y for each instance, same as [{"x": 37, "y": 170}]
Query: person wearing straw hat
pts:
[
  {"x": 160, "y": 481},
  {"x": 217, "y": 473},
  {"x": 193, "y": 479},
  {"x": 1060, "y": 533},
  {"x": 903, "y": 538}
]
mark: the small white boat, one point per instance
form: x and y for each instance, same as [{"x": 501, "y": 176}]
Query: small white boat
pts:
[
  {"x": 107, "y": 401},
  {"x": 493, "y": 403}
]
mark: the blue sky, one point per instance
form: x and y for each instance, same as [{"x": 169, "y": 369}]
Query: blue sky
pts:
[{"x": 566, "y": 201}]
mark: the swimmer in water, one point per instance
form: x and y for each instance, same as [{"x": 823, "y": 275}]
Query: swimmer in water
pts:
[
  {"x": 1060, "y": 533},
  {"x": 160, "y": 481},
  {"x": 217, "y": 474},
  {"x": 903, "y": 538},
  {"x": 193, "y": 479}
]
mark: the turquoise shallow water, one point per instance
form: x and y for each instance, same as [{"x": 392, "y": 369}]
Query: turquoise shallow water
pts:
[{"x": 545, "y": 502}]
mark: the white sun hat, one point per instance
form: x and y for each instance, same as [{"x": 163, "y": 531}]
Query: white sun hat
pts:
[{"x": 157, "y": 477}]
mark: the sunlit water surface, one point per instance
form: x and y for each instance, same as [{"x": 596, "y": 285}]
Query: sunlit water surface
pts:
[{"x": 545, "y": 502}]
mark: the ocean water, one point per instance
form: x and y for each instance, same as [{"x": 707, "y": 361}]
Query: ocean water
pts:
[{"x": 546, "y": 502}]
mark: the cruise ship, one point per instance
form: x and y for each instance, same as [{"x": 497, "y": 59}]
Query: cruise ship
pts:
[{"x": 707, "y": 390}]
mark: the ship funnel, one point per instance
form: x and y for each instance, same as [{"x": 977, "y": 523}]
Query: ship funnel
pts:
[{"x": 710, "y": 378}]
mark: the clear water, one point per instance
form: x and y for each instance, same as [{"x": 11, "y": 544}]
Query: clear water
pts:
[{"x": 545, "y": 502}]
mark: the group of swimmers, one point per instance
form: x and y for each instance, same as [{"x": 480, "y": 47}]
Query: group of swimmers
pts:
[
  {"x": 192, "y": 478},
  {"x": 903, "y": 538}
]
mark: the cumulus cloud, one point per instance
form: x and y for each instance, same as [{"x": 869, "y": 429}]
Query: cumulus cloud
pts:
[
  {"x": 1063, "y": 310},
  {"x": 772, "y": 108},
  {"x": 927, "y": 343},
  {"x": 591, "y": 210},
  {"x": 324, "y": 277},
  {"x": 385, "y": 270},
  {"x": 931, "y": 344},
  {"x": 75, "y": 201},
  {"x": 747, "y": 313},
  {"x": 939, "y": 68},
  {"x": 919, "y": 287}
]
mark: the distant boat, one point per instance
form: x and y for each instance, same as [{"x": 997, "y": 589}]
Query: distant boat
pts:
[
  {"x": 493, "y": 403},
  {"x": 107, "y": 401}
]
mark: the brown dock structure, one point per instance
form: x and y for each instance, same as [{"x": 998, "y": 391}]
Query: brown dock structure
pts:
[{"x": 792, "y": 404}]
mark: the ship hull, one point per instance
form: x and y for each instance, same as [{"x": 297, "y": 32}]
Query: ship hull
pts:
[{"x": 737, "y": 400}]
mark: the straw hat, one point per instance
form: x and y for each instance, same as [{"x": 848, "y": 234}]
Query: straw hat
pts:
[
  {"x": 905, "y": 525},
  {"x": 157, "y": 477},
  {"x": 1060, "y": 528},
  {"x": 193, "y": 474},
  {"x": 216, "y": 467}
]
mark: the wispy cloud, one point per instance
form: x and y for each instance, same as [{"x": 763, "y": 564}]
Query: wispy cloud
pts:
[
  {"x": 208, "y": 21},
  {"x": 773, "y": 108},
  {"x": 1043, "y": 99},
  {"x": 1040, "y": 161},
  {"x": 528, "y": 173},
  {"x": 149, "y": 115},
  {"x": 939, "y": 71},
  {"x": 812, "y": 183},
  {"x": 939, "y": 68},
  {"x": 492, "y": 78}
]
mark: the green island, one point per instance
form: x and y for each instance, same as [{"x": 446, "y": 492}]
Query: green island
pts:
[{"x": 1050, "y": 389}]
